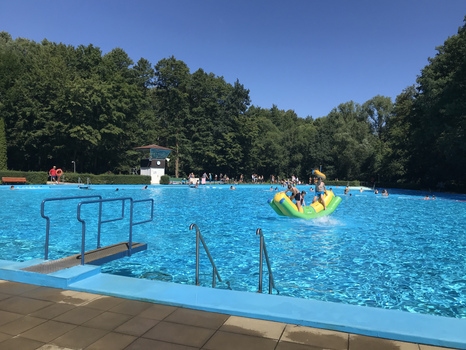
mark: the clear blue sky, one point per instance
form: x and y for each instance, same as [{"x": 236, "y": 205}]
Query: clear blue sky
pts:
[{"x": 307, "y": 55}]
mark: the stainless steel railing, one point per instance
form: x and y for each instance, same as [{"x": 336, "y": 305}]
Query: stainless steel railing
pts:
[
  {"x": 42, "y": 213},
  {"x": 131, "y": 223},
  {"x": 215, "y": 271},
  {"x": 262, "y": 253},
  {"x": 100, "y": 221}
]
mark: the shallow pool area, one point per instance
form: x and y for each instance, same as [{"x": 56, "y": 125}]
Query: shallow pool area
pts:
[{"x": 401, "y": 252}]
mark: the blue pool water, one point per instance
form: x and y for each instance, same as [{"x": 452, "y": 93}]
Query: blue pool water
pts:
[{"x": 399, "y": 252}]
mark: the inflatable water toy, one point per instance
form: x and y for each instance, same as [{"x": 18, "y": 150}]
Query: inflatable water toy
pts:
[
  {"x": 318, "y": 174},
  {"x": 283, "y": 206}
]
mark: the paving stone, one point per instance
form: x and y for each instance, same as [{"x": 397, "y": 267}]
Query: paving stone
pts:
[
  {"x": 137, "y": 326},
  {"x": 104, "y": 303},
  {"x": 52, "y": 311},
  {"x": 145, "y": 344},
  {"x": 107, "y": 320},
  {"x": 131, "y": 307},
  {"x": 315, "y": 337},
  {"x": 157, "y": 311},
  {"x": 19, "y": 343},
  {"x": 79, "y": 337},
  {"x": 234, "y": 341},
  {"x": 250, "y": 326},
  {"x": 21, "y": 325},
  {"x": 15, "y": 288},
  {"x": 197, "y": 318},
  {"x": 78, "y": 315},
  {"x": 48, "y": 331},
  {"x": 22, "y": 305},
  {"x": 113, "y": 341},
  {"x": 361, "y": 342},
  {"x": 179, "y": 334},
  {"x": 7, "y": 317}
]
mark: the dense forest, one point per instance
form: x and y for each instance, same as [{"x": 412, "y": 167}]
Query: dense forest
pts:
[{"x": 60, "y": 103}]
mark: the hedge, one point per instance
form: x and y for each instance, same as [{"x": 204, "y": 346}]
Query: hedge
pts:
[
  {"x": 107, "y": 179},
  {"x": 41, "y": 178},
  {"x": 32, "y": 177}
]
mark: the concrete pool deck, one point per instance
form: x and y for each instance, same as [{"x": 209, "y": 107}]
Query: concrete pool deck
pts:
[{"x": 185, "y": 312}]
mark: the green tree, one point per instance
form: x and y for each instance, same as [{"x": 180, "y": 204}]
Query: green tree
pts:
[
  {"x": 351, "y": 141},
  {"x": 172, "y": 81},
  {"x": 205, "y": 92},
  {"x": 3, "y": 156},
  {"x": 395, "y": 160},
  {"x": 438, "y": 122},
  {"x": 377, "y": 111}
]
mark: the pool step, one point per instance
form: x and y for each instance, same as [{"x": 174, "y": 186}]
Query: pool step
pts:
[{"x": 95, "y": 257}]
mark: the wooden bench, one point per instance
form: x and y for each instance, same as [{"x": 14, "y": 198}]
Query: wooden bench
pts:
[{"x": 15, "y": 180}]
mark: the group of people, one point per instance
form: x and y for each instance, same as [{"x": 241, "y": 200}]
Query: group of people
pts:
[
  {"x": 384, "y": 192},
  {"x": 320, "y": 190}
]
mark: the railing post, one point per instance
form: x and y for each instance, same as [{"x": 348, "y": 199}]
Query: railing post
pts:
[
  {"x": 130, "y": 241},
  {"x": 99, "y": 225},
  {"x": 261, "y": 257},
  {"x": 262, "y": 252},
  {"x": 200, "y": 238},
  {"x": 42, "y": 213},
  {"x": 83, "y": 236},
  {"x": 197, "y": 255}
]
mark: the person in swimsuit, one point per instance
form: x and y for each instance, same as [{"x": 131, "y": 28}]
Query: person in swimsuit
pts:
[
  {"x": 303, "y": 193},
  {"x": 296, "y": 195},
  {"x": 320, "y": 191}
]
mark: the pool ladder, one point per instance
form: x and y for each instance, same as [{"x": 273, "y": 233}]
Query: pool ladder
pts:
[
  {"x": 262, "y": 253},
  {"x": 87, "y": 187},
  {"x": 214, "y": 268}
]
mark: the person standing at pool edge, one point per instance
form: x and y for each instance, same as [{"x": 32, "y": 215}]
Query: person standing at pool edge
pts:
[
  {"x": 320, "y": 191},
  {"x": 53, "y": 174}
]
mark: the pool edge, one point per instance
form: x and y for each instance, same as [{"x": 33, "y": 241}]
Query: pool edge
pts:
[{"x": 382, "y": 323}]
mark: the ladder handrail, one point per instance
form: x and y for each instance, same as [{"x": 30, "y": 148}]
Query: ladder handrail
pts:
[
  {"x": 263, "y": 251},
  {"x": 215, "y": 270},
  {"x": 47, "y": 230},
  {"x": 151, "y": 210},
  {"x": 131, "y": 224}
]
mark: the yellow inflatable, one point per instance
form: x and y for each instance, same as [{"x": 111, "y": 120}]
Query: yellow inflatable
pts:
[
  {"x": 318, "y": 174},
  {"x": 283, "y": 206}
]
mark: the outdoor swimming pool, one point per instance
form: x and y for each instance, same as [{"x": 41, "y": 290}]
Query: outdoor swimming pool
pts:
[{"x": 399, "y": 252}]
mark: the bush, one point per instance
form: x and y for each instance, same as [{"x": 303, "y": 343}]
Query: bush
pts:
[
  {"x": 41, "y": 178},
  {"x": 107, "y": 179},
  {"x": 353, "y": 183},
  {"x": 32, "y": 177},
  {"x": 165, "y": 180}
]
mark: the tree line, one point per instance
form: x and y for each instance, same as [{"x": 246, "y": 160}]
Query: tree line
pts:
[{"x": 60, "y": 103}]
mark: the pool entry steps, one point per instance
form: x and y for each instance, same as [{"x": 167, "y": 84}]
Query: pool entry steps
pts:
[
  {"x": 97, "y": 256},
  {"x": 100, "y": 255},
  {"x": 214, "y": 268},
  {"x": 262, "y": 254}
]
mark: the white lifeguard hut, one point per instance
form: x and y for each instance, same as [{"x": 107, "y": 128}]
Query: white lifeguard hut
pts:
[{"x": 154, "y": 165}]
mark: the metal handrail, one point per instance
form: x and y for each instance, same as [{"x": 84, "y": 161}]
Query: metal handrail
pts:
[
  {"x": 84, "y": 187},
  {"x": 131, "y": 224},
  {"x": 47, "y": 230},
  {"x": 151, "y": 210},
  {"x": 215, "y": 271},
  {"x": 263, "y": 252}
]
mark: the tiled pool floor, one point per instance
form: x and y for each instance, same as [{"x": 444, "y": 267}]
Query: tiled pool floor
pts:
[{"x": 46, "y": 318}]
